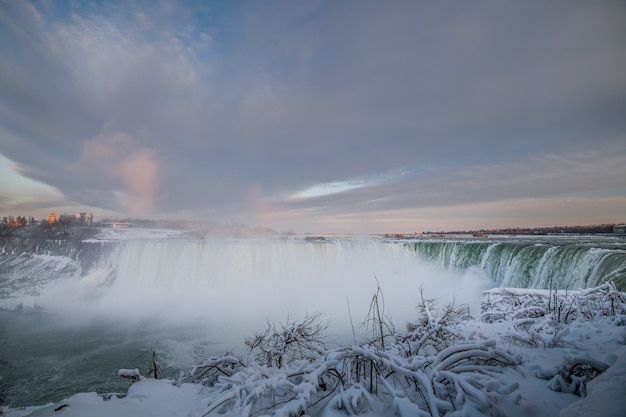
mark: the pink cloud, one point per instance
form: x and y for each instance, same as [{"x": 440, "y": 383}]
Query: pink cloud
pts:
[
  {"x": 129, "y": 170},
  {"x": 139, "y": 173}
]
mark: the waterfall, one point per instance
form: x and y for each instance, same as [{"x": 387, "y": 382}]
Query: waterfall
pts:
[
  {"x": 116, "y": 274},
  {"x": 211, "y": 270},
  {"x": 532, "y": 263},
  {"x": 222, "y": 263},
  {"x": 274, "y": 279},
  {"x": 235, "y": 282}
]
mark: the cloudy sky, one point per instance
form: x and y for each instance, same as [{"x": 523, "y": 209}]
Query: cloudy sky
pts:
[{"x": 327, "y": 116}]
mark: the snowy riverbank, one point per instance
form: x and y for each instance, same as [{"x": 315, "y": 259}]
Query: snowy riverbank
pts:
[{"x": 530, "y": 353}]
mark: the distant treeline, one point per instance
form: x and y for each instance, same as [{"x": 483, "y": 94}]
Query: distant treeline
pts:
[
  {"x": 47, "y": 231},
  {"x": 551, "y": 230},
  {"x": 70, "y": 225}
]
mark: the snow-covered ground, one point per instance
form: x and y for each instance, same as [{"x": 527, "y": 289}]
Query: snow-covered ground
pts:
[
  {"x": 530, "y": 353},
  {"x": 131, "y": 233}
]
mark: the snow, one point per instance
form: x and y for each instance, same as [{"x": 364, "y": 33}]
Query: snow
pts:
[
  {"x": 131, "y": 233},
  {"x": 606, "y": 395},
  {"x": 128, "y": 373},
  {"x": 148, "y": 397},
  {"x": 532, "y": 353}
]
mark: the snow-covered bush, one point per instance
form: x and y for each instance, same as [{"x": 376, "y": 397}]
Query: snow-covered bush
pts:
[
  {"x": 558, "y": 306},
  {"x": 434, "y": 327},
  {"x": 294, "y": 340},
  {"x": 210, "y": 370},
  {"x": 357, "y": 380},
  {"x": 429, "y": 370},
  {"x": 545, "y": 319},
  {"x": 605, "y": 300},
  {"x": 573, "y": 375}
]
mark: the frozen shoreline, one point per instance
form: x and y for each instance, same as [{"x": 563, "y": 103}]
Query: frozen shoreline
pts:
[{"x": 544, "y": 344}]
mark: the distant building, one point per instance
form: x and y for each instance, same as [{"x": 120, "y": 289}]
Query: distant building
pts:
[
  {"x": 620, "y": 229},
  {"x": 84, "y": 219},
  {"x": 52, "y": 217}
]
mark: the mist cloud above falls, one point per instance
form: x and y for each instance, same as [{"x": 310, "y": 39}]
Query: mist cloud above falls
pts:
[
  {"x": 118, "y": 164},
  {"x": 236, "y": 286}
]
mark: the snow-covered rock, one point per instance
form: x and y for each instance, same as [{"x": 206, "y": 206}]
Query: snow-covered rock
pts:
[{"x": 606, "y": 395}]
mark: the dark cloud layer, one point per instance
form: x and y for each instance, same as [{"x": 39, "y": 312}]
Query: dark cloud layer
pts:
[{"x": 229, "y": 111}]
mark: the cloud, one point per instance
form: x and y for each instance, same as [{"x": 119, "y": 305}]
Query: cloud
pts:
[
  {"x": 19, "y": 194},
  {"x": 115, "y": 162},
  {"x": 224, "y": 110},
  {"x": 527, "y": 212},
  {"x": 459, "y": 182}
]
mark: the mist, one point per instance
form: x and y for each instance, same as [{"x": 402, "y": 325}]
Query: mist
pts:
[{"x": 227, "y": 289}]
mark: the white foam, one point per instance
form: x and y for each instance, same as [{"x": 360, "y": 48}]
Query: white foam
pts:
[{"x": 240, "y": 284}]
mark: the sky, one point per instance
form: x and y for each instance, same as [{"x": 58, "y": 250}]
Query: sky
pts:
[{"x": 316, "y": 116}]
